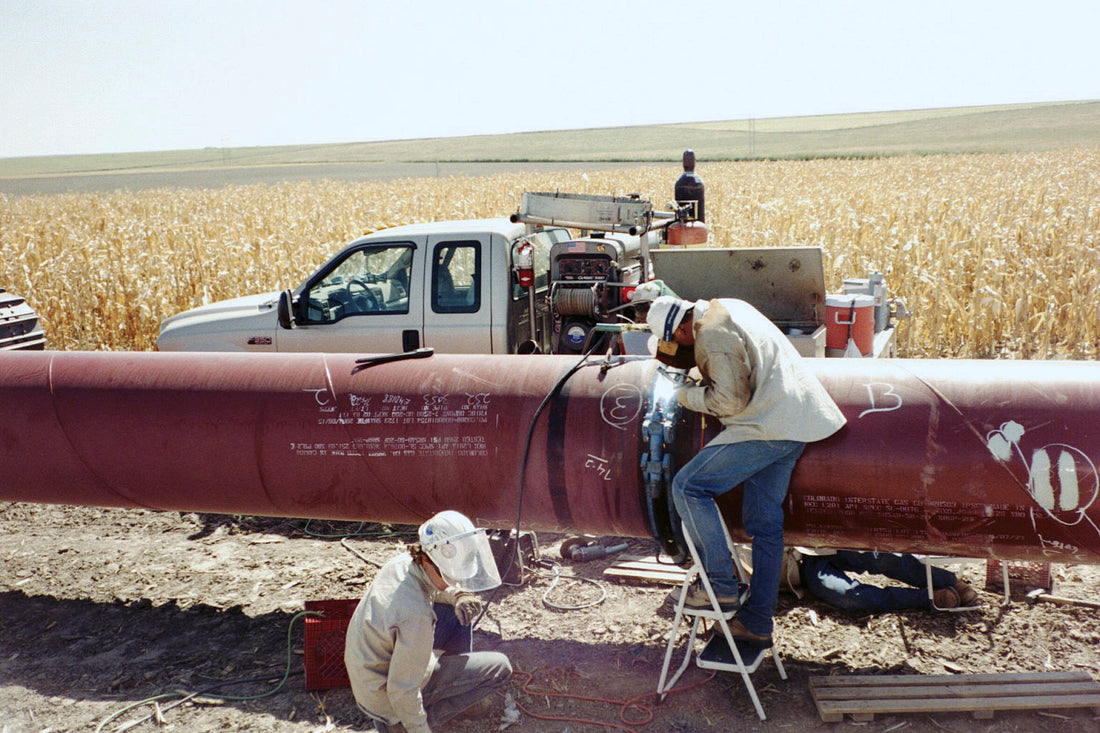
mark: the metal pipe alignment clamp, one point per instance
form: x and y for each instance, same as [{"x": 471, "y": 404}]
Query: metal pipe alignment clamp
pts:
[{"x": 659, "y": 429}]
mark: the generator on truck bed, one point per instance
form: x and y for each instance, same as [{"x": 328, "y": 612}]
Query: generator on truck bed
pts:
[
  {"x": 592, "y": 283},
  {"x": 591, "y": 277}
]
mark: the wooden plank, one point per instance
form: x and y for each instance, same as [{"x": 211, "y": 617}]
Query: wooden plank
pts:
[
  {"x": 656, "y": 577},
  {"x": 649, "y": 565},
  {"x": 663, "y": 560},
  {"x": 864, "y": 696},
  {"x": 958, "y": 705},
  {"x": 925, "y": 679},
  {"x": 649, "y": 569},
  {"x": 963, "y": 691}
]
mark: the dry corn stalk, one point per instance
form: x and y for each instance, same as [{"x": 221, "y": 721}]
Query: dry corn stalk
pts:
[{"x": 997, "y": 255}]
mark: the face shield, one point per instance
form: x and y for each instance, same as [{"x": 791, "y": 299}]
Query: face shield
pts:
[{"x": 460, "y": 551}]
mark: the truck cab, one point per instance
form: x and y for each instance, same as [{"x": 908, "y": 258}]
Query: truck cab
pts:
[{"x": 446, "y": 285}]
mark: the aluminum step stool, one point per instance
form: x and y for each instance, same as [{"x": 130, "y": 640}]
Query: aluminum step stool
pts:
[{"x": 721, "y": 652}]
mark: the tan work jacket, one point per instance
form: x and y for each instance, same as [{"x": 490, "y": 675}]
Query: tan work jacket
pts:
[
  {"x": 388, "y": 651},
  {"x": 754, "y": 380}
]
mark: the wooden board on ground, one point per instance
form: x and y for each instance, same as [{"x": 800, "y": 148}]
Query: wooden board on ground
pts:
[
  {"x": 648, "y": 569},
  {"x": 864, "y": 696}
]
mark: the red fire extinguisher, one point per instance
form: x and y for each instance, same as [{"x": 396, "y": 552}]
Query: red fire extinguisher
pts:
[{"x": 525, "y": 264}]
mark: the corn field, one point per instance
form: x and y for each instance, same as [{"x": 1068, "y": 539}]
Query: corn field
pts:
[{"x": 994, "y": 255}]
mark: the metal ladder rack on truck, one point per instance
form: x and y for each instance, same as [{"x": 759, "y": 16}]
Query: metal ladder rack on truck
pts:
[{"x": 593, "y": 276}]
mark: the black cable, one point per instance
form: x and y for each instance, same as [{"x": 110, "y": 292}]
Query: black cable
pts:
[{"x": 523, "y": 469}]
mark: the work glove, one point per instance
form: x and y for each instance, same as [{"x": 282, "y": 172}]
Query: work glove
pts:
[{"x": 467, "y": 608}]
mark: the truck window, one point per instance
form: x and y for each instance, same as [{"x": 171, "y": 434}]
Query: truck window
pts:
[
  {"x": 456, "y": 277},
  {"x": 542, "y": 242},
  {"x": 373, "y": 280}
]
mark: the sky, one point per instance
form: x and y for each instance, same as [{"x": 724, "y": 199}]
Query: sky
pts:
[{"x": 103, "y": 76}]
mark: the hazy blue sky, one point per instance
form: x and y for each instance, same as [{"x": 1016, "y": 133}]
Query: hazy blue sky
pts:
[{"x": 128, "y": 75}]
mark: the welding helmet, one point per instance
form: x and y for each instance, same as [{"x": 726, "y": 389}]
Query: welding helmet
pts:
[
  {"x": 461, "y": 552},
  {"x": 665, "y": 316}
]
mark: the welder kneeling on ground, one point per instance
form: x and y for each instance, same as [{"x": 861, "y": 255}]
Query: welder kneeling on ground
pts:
[{"x": 419, "y": 602}]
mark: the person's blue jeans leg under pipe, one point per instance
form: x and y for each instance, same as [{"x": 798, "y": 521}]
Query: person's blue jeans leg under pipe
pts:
[{"x": 826, "y": 577}]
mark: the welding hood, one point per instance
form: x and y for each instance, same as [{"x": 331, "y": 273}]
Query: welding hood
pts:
[{"x": 460, "y": 551}]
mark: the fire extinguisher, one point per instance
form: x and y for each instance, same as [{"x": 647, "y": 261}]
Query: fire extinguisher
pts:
[{"x": 525, "y": 264}]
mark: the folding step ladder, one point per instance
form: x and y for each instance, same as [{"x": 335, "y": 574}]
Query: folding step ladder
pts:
[{"x": 722, "y": 652}]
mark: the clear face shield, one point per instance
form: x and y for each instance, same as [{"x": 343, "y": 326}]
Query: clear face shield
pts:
[{"x": 466, "y": 561}]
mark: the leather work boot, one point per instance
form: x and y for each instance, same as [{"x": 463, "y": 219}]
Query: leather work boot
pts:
[
  {"x": 696, "y": 597},
  {"x": 740, "y": 633},
  {"x": 967, "y": 595},
  {"x": 945, "y": 598}
]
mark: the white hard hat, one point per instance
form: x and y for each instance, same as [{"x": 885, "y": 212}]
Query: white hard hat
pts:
[
  {"x": 649, "y": 291},
  {"x": 665, "y": 315},
  {"x": 646, "y": 292},
  {"x": 460, "y": 550}
]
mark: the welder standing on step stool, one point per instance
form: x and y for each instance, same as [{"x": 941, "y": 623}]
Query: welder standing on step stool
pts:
[
  {"x": 771, "y": 405},
  {"x": 421, "y": 601}
]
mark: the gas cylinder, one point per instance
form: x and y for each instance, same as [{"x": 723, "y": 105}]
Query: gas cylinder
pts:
[{"x": 683, "y": 233}]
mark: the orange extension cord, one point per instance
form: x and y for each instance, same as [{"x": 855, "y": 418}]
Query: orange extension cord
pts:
[{"x": 629, "y": 726}]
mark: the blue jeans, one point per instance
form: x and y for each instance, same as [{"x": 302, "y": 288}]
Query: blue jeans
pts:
[
  {"x": 826, "y": 577},
  {"x": 765, "y": 467},
  {"x": 450, "y": 635}
]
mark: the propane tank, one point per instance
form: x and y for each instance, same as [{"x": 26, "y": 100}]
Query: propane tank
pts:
[
  {"x": 525, "y": 264},
  {"x": 683, "y": 233}
]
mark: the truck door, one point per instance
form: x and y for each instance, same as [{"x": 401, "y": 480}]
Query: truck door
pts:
[
  {"x": 369, "y": 300},
  {"x": 457, "y": 315}
]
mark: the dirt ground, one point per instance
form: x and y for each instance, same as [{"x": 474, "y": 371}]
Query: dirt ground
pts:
[{"x": 106, "y": 608}]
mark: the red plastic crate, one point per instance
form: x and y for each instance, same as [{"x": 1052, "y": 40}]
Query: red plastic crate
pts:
[
  {"x": 1030, "y": 574},
  {"x": 324, "y": 643}
]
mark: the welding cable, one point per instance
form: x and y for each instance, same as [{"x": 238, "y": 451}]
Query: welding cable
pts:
[
  {"x": 557, "y": 576},
  {"x": 185, "y": 696},
  {"x": 531, "y": 429},
  {"x": 514, "y": 557},
  {"x": 361, "y": 556},
  {"x": 355, "y": 533},
  {"x": 625, "y": 724}
]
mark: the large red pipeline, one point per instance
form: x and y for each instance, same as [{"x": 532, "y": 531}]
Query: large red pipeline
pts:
[{"x": 990, "y": 458}]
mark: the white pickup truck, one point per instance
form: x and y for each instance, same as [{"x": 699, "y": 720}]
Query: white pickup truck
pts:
[
  {"x": 450, "y": 285},
  {"x": 447, "y": 285}
]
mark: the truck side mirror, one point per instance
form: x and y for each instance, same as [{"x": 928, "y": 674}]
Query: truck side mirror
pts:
[{"x": 285, "y": 309}]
